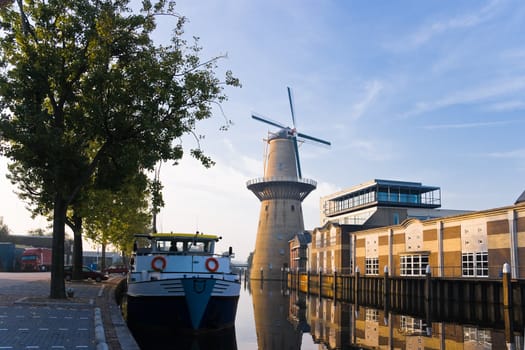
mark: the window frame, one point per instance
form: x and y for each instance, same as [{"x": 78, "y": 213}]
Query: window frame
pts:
[
  {"x": 372, "y": 266},
  {"x": 413, "y": 264}
]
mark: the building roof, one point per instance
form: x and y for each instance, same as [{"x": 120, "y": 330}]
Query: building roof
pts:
[
  {"x": 413, "y": 186},
  {"x": 520, "y": 198},
  {"x": 303, "y": 238}
]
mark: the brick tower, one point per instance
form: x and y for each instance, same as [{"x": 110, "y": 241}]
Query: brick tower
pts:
[{"x": 281, "y": 191}]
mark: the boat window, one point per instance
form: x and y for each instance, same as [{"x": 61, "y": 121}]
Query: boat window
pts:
[
  {"x": 163, "y": 246},
  {"x": 142, "y": 246},
  {"x": 196, "y": 247}
]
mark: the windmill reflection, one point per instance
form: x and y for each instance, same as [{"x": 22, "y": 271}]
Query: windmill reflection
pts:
[{"x": 271, "y": 308}]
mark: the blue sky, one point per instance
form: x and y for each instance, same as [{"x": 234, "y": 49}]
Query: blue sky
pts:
[{"x": 426, "y": 91}]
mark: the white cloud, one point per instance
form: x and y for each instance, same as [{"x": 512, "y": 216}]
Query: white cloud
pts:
[
  {"x": 213, "y": 200},
  {"x": 372, "y": 90},
  {"x": 487, "y": 91},
  {"x": 427, "y": 32},
  {"x": 511, "y": 105},
  {"x": 512, "y": 154},
  {"x": 311, "y": 214},
  {"x": 12, "y": 210},
  {"x": 468, "y": 125}
]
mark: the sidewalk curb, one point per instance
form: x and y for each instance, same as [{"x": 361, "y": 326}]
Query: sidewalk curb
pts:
[{"x": 124, "y": 335}]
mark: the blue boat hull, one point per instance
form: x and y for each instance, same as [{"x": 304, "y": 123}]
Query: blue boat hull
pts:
[{"x": 173, "y": 312}]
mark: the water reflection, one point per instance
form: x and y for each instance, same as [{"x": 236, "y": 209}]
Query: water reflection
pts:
[
  {"x": 162, "y": 339},
  {"x": 271, "y": 317},
  {"x": 330, "y": 322},
  {"x": 271, "y": 313},
  {"x": 337, "y": 325}
]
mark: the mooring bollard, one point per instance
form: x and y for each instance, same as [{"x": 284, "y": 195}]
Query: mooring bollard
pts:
[
  {"x": 320, "y": 283},
  {"x": 507, "y": 307},
  {"x": 428, "y": 284},
  {"x": 335, "y": 285},
  {"x": 428, "y": 299},
  {"x": 308, "y": 282},
  {"x": 386, "y": 291},
  {"x": 356, "y": 282}
]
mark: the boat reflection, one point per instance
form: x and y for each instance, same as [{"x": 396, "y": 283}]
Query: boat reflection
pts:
[{"x": 212, "y": 340}]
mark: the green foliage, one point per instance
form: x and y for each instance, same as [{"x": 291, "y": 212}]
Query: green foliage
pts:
[
  {"x": 115, "y": 216},
  {"x": 39, "y": 232},
  {"x": 87, "y": 98},
  {"x": 4, "y": 230}
]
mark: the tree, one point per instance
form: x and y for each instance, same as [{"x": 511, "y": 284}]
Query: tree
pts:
[
  {"x": 114, "y": 217},
  {"x": 4, "y": 230},
  {"x": 87, "y": 97},
  {"x": 39, "y": 232}
]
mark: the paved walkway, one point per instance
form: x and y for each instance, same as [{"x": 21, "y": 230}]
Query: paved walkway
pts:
[{"x": 90, "y": 320}]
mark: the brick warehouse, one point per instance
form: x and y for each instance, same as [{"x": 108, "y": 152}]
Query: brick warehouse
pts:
[{"x": 468, "y": 244}]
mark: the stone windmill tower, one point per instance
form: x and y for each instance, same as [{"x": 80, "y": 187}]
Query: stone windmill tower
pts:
[{"x": 281, "y": 191}]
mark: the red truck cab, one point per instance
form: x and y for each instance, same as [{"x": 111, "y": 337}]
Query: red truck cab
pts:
[{"x": 36, "y": 259}]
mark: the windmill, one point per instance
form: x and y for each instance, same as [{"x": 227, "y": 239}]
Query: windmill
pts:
[
  {"x": 292, "y": 132},
  {"x": 281, "y": 192}
]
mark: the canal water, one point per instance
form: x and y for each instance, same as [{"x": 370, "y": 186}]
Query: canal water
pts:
[{"x": 271, "y": 317}]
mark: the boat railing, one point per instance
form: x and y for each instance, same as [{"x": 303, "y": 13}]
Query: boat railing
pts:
[{"x": 149, "y": 252}]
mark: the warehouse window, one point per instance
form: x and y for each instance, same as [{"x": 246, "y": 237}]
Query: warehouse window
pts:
[
  {"x": 372, "y": 315},
  {"x": 372, "y": 266},
  {"x": 414, "y": 265},
  {"x": 411, "y": 325},
  {"x": 475, "y": 264}
]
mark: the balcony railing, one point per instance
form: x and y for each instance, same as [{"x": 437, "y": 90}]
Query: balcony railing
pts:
[{"x": 281, "y": 179}]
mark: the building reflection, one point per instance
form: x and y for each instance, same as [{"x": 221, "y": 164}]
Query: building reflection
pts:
[
  {"x": 330, "y": 322},
  {"x": 282, "y": 316},
  {"x": 337, "y": 325}
]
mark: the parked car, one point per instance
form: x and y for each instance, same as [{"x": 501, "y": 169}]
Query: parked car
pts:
[
  {"x": 85, "y": 274},
  {"x": 122, "y": 269}
]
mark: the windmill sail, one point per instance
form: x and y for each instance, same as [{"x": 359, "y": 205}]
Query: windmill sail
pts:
[{"x": 292, "y": 131}]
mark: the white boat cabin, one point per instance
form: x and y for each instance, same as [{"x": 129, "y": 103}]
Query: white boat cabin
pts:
[
  {"x": 178, "y": 253},
  {"x": 176, "y": 244}
]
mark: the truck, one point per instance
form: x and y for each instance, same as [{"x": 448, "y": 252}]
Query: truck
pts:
[{"x": 36, "y": 259}]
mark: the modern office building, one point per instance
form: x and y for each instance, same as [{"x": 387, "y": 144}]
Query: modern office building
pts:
[
  {"x": 383, "y": 202},
  {"x": 373, "y": 204}
]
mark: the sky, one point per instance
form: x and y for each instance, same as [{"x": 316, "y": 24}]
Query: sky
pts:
[{"x": 425, "y": 91}]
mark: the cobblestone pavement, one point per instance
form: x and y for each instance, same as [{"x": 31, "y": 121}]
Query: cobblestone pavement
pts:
[
  {"x": 46, "y": 327},
  {"x": 30, "y": 320}
]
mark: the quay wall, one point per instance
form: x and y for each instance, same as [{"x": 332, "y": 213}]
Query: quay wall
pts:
[{"x": 480, "y": 301}]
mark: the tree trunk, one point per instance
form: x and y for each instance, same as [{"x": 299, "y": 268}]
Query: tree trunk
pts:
[
  {"x": 77, "y": 248},
  {"x": 58, "y": 286},
  {"x": 103, "y": 262}
]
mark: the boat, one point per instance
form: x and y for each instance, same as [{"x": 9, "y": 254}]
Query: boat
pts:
[{"x": 176, "y": 281}]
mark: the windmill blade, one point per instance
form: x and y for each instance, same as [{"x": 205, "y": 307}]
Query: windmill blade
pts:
[
  {"x": 290, "y": 98},
  {"x": 268, "y": 121},
  {"x": 304, "y": 136},
  {"x": 299, "y": 175}
]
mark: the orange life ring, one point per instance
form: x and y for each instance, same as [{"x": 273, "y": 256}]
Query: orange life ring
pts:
[
  {"x": 154, "y": 263},
  {"x": 212, "y": 264}
]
